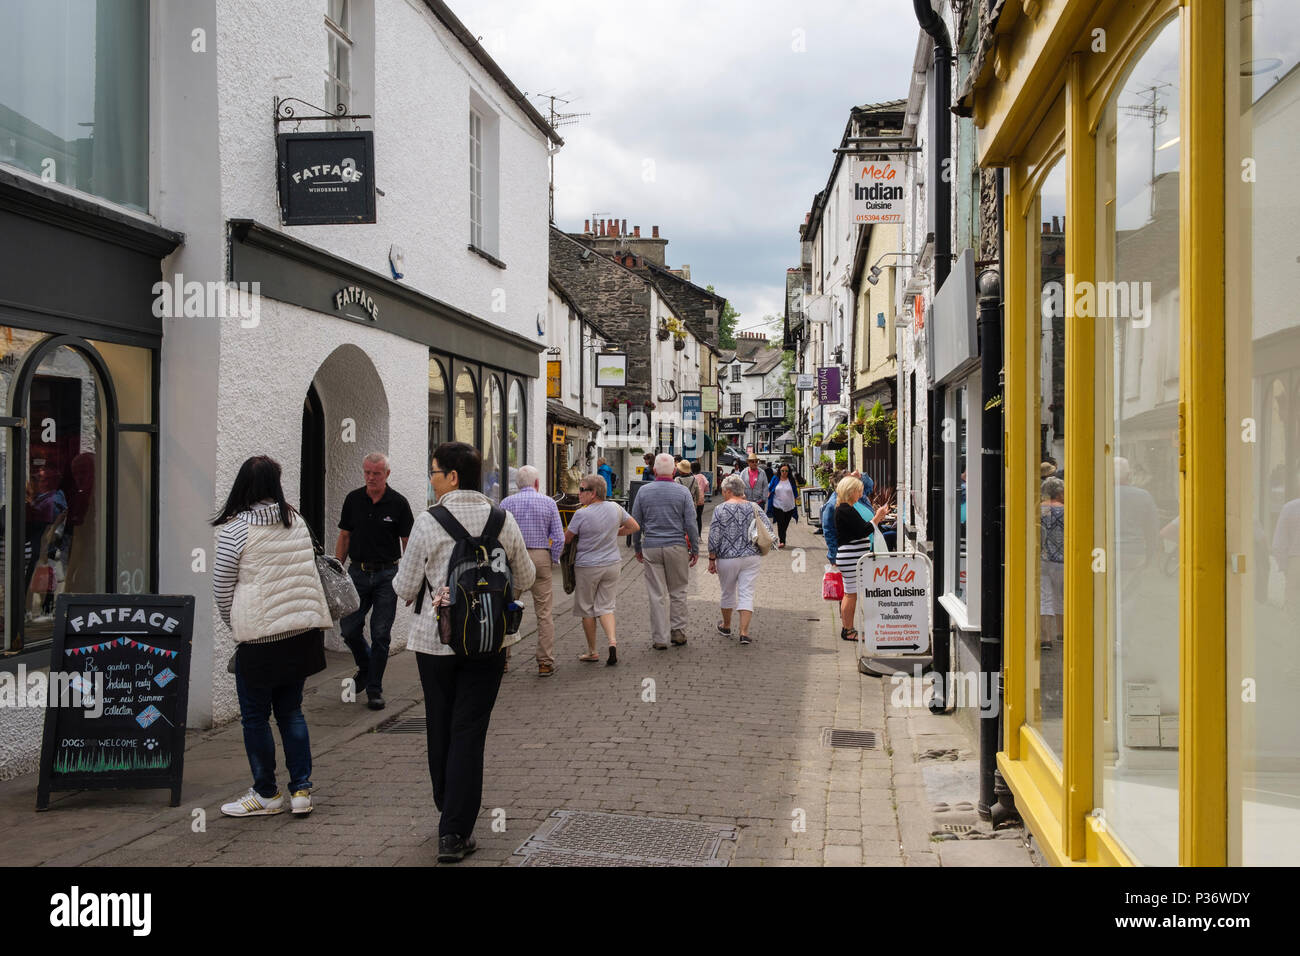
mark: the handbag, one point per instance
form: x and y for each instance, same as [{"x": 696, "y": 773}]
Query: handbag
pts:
[
  {"x": 340, "y": 593},
  {"x": 832, "y": 584},
  {"x": 568, "y": 572},
  {"x": 762, "y": 537}
]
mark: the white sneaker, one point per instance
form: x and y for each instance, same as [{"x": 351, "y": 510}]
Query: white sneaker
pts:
[
  {"x": 253, "y": 804},
  {"x": 300, "y": 802}
]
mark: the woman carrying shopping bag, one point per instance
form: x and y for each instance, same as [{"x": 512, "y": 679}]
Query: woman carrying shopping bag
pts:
[{"x": 268, "y": 591}]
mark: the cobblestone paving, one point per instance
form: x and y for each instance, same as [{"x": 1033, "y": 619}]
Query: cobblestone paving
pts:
[{"x": 712, "y": 731}]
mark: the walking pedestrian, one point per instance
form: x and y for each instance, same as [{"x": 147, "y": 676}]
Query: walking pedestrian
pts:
[
  {"x": 539, "y": 522},
  {"x": 597, "y": 525},
  {"x": 828, "y": 517},
  {"x": 853, "y": 534},
  {"x": 1051, "y": 562},
  {"x": 459, "y": 691},
  {"x": 667, "y": 544},
  {"x": 373, "y": 531},
  {"x": 733, "y": 556},
  {"x": 605, "y": 471},
  {"x": 268, "y": 592},
  {"x": 756, "y": 482},
  {"x": 783, "y": 502},
  {"x": 686, "y": 478}
]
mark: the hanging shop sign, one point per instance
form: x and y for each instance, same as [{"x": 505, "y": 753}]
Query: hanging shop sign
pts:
[
  {"x": 828, "y": 385},
  {"x": 553, "y": 379},
  {"x": 118, "y": 690},
  {"x": 807, "y": 382},
  {"x": 326, "y": 177},
  {"x": 709, "y": 399},
  {"x": 611, "y": 369},
  {"x": 894, "y": 597},
  {"x": 877, "y": 191},
  {"x": 557, "y": 434}
]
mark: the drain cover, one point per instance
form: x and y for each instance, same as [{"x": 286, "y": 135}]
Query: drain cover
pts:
[
  {"x": 861, "y": 739},
  {"x": 961, "y": 829},
  {"x": 586, "y": 838},
  {"x": 401, "y": 725}
]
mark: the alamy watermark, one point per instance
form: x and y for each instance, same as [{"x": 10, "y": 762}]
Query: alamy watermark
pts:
[
  {"x": 208, "y": 300},
  {"x": 67, "y": 689},
  {"x": 1098, "y": 300},
  {"x": 972, "y": 689}
]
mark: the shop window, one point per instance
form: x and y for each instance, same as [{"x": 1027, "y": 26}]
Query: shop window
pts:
[
  {"x": 1137, "y": 315},
  {"x": 437, "y": 418},
  {"x": 1046, "y": 652},
  {"x": 465, "y": 411},
  {"x": 492, "y": 439},
  {"x": 1263, "y": 328},
  {"x": 74, "y": 95},
  {"x": 517, "y": 425}
]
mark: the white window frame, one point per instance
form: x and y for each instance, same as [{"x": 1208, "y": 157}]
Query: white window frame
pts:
[
  {"x": 735, "y": 405},
  {"x": 476, "y": 178},
  {"x": 735, "y": 372},
  {"x": 339, "y": 45}
]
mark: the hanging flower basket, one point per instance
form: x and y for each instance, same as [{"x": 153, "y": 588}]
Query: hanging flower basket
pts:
[
  {"x": 679, "y": 344},
  {"x": 662, "y": 333},
  {"x": 838, "y": 438}
]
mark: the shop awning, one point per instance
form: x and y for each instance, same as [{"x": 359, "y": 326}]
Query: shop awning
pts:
[{"x": 563, "y": 415}]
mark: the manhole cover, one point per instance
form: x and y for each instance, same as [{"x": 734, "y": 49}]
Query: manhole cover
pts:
[
  {"x": 586, "y": 838},
  {"x": 401, "y": 725},
  {"x": 860, "y": 739}
]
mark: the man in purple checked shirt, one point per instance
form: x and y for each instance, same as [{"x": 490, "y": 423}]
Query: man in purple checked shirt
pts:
[{"x": 539, "y": 520}]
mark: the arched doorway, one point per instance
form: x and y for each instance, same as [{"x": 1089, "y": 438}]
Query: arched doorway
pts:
[{"x": 311, "y": 475}]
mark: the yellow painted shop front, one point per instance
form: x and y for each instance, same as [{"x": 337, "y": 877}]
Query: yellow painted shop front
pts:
[{"x": 1152, "y": 425}]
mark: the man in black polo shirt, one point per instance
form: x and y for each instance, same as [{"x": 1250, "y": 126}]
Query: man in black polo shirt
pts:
[{"x": 373, "y": 530}]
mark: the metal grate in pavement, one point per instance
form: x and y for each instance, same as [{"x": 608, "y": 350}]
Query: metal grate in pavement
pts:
[
  {"x": 401, "y": 725},
  {"x": 860, "y": 739},
  {"x": 961, "y": 829},
  {"x": 588, "y": 838}
]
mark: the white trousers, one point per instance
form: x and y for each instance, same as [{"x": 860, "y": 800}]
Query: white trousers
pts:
[{"x": 737, "y": 577}]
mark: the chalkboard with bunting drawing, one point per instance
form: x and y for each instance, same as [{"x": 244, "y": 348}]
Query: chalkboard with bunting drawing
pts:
[{"x": 118, "y": 692}]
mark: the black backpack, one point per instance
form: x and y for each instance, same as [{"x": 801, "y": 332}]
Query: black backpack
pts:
[{"x": 480, "y": 615}]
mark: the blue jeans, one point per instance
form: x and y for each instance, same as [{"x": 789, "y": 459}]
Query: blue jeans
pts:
[
  {"x": 256, "y": 704},
  {"x": 375, "y": 588}
]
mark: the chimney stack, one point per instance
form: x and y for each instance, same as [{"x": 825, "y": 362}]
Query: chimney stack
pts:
[
  {"x": 654, "y": 234},
  {"x": 586, "y": 226},
  {"x": 636, "y": 231},
  {"x": 624, "y": 227}
]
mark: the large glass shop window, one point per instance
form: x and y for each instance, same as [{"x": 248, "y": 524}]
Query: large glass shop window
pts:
[
  {"x": 63, "y": 547},
  {"x": 492, "y": 439},
  {"x": 465, "y": 411},
  {"x": 1046, "y": 651},
  {"x": 517, "y": 426},
  {"x": 1263, "y": 429},
  {"x": 437, "y": 418},
  {"x": 74, "y": 94},
  {"x": 1137, "y": 312}
]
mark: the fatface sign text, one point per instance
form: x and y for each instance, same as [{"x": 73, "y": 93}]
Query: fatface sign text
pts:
[{"x": 326, "y": 177}]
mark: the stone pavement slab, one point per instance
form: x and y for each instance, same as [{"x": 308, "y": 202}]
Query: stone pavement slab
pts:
[{"x": 712, "y": 731}]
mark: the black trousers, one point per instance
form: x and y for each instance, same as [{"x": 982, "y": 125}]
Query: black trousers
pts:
[
  {"x": 782, "y": 522},
  {"x": 459, "y": 693}
]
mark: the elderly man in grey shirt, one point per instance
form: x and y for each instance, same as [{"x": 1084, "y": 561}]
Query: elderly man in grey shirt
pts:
[{"x": 668, "y": 547}]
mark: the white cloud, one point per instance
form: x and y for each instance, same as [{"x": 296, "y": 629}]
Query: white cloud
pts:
[{"x": 738, "y": 123}]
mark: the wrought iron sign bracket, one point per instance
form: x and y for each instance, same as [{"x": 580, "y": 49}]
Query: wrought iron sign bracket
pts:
[{"x": 284, "y": 113}]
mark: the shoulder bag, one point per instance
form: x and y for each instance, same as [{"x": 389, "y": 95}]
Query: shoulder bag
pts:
[
  {"x": 762, "y": 537},
  {"x": 340, "y": 593}
]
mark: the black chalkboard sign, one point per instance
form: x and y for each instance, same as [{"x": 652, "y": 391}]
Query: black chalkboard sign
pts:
[
  {"x": 118, "y": 692},
  {"x": 326, "y": 177}
]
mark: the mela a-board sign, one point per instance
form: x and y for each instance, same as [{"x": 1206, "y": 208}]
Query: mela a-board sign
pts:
[
  {"x": 877, "y": 191},
  {"x": 118, "y": 692},
  {"x": 894, "y": 602},
  {"x": 326, "y": 177}
]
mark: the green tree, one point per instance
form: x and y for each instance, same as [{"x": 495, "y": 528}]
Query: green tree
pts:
[{"x": 726, "y": 325}]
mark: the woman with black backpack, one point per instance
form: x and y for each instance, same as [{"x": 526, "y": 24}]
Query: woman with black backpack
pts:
[{"x": 460, "y": 679}]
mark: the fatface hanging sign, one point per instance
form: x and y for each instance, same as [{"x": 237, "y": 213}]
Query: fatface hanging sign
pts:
[{"x": 326, "y": 177}]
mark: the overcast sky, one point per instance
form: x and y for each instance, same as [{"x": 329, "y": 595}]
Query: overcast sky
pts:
[{"x": 713, "y": 121}]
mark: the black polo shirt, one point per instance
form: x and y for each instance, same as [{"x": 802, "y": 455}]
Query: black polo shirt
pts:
[{"x": 376, "y": 528}]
